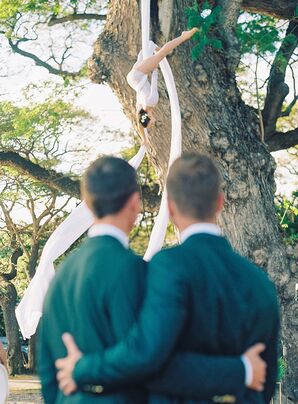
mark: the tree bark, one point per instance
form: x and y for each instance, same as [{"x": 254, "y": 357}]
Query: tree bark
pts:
[
  {"x": 8, "y": 301},
  {"x": 32, "y": 265},
  {"x": 32, "y": 354},
  {"x": 215, "y": 121}
]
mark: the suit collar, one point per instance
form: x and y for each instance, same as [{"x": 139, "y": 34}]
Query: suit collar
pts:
[
  {"x": 109, "y": 230},
  {"x": 196, "y": 228}
]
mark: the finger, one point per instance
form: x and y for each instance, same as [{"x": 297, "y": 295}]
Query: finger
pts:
[
  {"x": 63, "y": 383},
  {"x": 61, "y": 363},
  {"x": 259, "y": 347},
  {"x": 257, "y": 387},
  {"x": 71, "y": 388},
  {"x": 70, "y": 344},
  {"x": 62, "y": 374}
]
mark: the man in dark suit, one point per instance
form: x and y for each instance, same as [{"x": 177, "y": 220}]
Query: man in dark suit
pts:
[{"x": 201, "y": 297}]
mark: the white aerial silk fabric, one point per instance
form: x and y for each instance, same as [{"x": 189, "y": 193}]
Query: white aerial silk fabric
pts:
[
  {"x": 3, "y": 384},
  {"x": 161, "y": 222},
  {"x": 29, "y": 310}
]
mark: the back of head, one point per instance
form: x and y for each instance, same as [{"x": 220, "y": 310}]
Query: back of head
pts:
[
  {"x": 194, "y": 185},
  {"x": 108, "y": 184}
]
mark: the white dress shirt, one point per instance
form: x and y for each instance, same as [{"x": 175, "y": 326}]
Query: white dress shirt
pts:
[
  {"x": 208, "y": 228},
  {"x": 109, "y": 230},
  {"x": 213, "y": 229}
]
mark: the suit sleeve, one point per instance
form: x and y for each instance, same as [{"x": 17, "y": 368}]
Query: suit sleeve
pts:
[
  {"x": 151, "y": 340},
  {"x": 201, "y": 376},
  {"x": 271, "y": 358},
  {"x": 45, "y": 365}
]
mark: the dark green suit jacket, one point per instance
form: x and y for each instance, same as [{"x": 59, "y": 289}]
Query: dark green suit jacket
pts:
[
  {"x": 201, "y": 297},
  {"x": 96, "y": 296}
]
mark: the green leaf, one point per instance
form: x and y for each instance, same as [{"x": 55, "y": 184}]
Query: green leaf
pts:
[{"x": 216, "y": 43}]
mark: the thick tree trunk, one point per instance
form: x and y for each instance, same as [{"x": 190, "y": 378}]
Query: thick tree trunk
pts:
[
  {"x": 32, "y": 354},
  {"x": 32, "y": 264},
  {"x": 8, "y": 300},
  {"x": 217, "y": 122}
]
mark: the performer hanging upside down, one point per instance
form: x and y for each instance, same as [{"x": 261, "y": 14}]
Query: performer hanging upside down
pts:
[{"x": 147, "y": 93}]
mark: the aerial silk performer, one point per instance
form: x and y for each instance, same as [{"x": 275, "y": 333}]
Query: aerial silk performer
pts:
[
  {"x": 147, "y": 93},
  {"x": 29, "y": 310}
]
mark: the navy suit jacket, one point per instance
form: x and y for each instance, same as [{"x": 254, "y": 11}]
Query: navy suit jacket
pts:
[{"x": 204, "y": 298}]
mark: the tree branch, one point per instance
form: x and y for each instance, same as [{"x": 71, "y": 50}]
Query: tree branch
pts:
[
  {"x": 282, "y": 9},
  {"x": 289, "y": 108},
  {"x": 229, "y": 14},
  {"x": 282, "y": 140},
  {"x": 51, "y": 178},
  {"x": 75, "y": 17},
  {"x": 277, "y": 89},
  {"x": 39, "y": 62},
  {"x": 17, "y": 253},
  {"x": 62, "y": 183}
]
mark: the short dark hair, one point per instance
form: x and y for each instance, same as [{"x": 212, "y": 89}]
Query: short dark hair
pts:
[
  {"x": 143, "y": 118},
  {"x": 194, "y": 183},
  {"x": 107, "y": 185}
]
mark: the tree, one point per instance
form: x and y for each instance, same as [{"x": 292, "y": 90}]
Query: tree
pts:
[
  {"x": 8, "y": 298},
  {"x": 32, "y": 138},
  {"x": 27, "y": 237},
  {"x": 216, "y": 120}
]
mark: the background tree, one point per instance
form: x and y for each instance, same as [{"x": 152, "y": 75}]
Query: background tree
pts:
[
  {"x": 32, "y": 142},
  {"x": 10, "y": 254},
  {"x": 42, "y": 208},
  {"x": 216, "y": 118}
]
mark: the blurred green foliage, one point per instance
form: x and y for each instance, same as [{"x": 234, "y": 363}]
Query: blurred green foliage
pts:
[
  {"x": 204, "y": 18},
  {"x": 256, "y": 33},
  {"x": 287, "y": 213}
]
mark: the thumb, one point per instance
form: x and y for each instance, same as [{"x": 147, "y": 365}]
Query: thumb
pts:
[
  {"x": 258, "y": 348},
  {"x": 71, "y": 346}
]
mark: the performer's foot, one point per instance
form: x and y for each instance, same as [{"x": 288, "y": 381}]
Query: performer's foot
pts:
[{"x": 189, "y": 34}]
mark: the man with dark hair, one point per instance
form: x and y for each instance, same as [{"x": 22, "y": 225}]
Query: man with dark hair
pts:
[{"x": 198, "y": 300}]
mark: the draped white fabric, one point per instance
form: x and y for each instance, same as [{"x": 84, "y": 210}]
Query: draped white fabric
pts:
[
  {"x": 162, "y": 219},
  {"x": 29, "y": 310}
]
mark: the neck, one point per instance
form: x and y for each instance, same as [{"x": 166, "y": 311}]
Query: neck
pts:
[
  {"x": 115, "y": 221},
  {"x": 184, "y": 222}
]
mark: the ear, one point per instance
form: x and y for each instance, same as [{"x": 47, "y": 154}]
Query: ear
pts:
[
  {"x": 88, "y": 202},
  {"x": 220, "y": 202},
  {"x": 171, "y": 206},
  {"x": 135, "y": 202}
]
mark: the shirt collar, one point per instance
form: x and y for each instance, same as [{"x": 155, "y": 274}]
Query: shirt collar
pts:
[
  {"x": 109, "y": 230},
  {"x": 207, "y": 228}
]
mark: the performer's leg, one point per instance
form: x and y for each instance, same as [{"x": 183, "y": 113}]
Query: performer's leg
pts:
[{"x": 148, "y": 65}]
